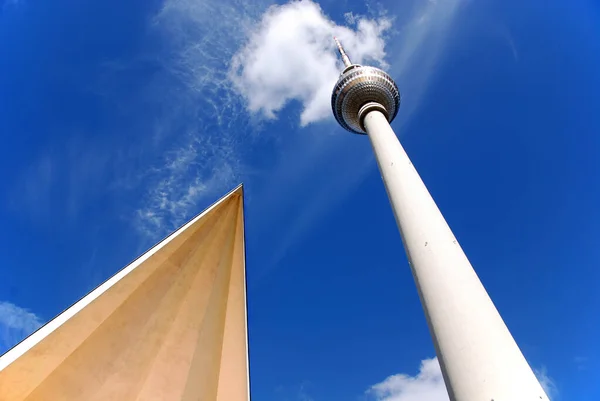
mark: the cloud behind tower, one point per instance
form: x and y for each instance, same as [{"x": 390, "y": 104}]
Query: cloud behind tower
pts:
[{"x": 291, "y": 56}]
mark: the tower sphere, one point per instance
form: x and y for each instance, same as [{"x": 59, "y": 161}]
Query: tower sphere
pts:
[{"x": 359, "y": 86}]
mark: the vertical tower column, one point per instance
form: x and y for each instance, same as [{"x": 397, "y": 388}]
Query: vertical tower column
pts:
[{"x": 479, "y": 358}]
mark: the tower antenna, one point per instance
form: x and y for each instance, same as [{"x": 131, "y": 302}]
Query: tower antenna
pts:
[{"x": 345, "y": 57}]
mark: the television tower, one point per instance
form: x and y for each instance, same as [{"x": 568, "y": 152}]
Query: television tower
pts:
[{"x": 479, "y": 358}]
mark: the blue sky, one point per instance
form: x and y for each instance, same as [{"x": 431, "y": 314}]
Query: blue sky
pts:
[{"x": 121, "y": 120}]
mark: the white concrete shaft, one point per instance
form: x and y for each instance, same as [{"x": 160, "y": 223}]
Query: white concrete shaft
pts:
[{"x": 479, "y": 358}]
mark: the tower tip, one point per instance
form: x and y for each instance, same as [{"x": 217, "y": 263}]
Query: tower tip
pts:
[{"x": 345, "y": 57}]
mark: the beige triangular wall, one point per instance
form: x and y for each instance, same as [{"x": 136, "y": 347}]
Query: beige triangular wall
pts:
[{"x": 170, "y": 326}]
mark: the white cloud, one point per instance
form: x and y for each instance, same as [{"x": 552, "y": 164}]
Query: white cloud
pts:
[
  {"x": 426, "y": 385},
  {"x": 16, "y": 323},
  {"x": 291, "y": 56}
]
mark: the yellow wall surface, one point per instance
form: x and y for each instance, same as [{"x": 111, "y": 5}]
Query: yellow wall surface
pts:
[{"x": 171, "y": 326}]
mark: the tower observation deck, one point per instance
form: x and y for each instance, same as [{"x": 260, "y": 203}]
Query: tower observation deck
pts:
[{"x": 359, "y": 90}]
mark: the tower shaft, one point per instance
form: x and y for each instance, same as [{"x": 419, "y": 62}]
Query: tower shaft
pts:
[{"x": 479, "y": 358}]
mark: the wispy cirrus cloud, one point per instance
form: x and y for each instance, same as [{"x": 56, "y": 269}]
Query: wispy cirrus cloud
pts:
[
  {"x": 581, "y": 362},
  {"x": 200, "y": 140},
  {"x": 16, "y": 323},
  {"x": 548, "y": 384},
  {"x": 5, "y": 4},
  {"x": 63, "y": 178},
  {"x": 190, "y": 173},
  {"x": 298, "y": 392}
]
